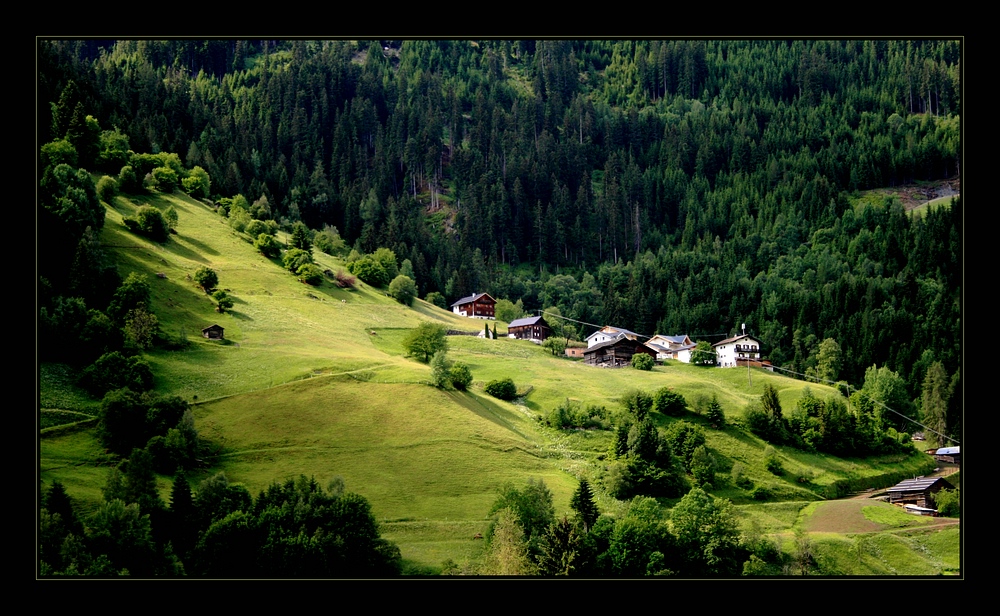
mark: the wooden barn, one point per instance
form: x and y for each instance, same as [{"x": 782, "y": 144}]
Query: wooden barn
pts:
[
  {"x": 529, "y": 328},
  {"x": 214, "y": 332},
  {"x": 475, "y": 306},
  {"x": 615, "y": 353},
  {"x": 919, "y": 491}
]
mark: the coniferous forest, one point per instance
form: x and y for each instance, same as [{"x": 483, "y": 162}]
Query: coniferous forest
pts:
[
  {"x": 666, "y": 186},
  {"x": 663, "y": 186}
]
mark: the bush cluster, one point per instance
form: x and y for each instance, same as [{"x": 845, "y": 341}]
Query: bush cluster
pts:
[
  {"x": 501, "y": 388},
  {"x": 572, "y": 414}
]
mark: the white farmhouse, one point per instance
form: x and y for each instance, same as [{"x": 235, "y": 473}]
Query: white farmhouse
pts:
[
  {"x": 672, "y": 347},
  {"x": 608, "y": 333},
  {"x": 739, "y": 349}
]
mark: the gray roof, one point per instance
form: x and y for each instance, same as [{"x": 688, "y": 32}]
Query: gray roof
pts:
[
  {"x": 734, "y": 339},
  {"x": 917, "y": 485},
  {"x": 470, "y": 299},
  {"x": 947, "y": 451},
  {"x": 526, "y": 321}
]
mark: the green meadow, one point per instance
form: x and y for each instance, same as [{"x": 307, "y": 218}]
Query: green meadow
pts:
[{"x": 314, "y": 380}]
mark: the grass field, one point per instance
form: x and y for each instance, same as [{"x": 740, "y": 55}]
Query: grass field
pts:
[{"x": 314, "y": 381}]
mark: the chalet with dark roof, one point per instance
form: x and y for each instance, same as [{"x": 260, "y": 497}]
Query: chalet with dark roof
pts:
[
  {"x": 919, "y": 491},
  {"x": 615, "y": 353},
  {"x": 529, "y": 328},
  {"x": 476, "y": 306}
]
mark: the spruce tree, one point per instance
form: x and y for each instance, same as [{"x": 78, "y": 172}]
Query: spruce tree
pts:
[
  {"x": 584, "y": 506},
  {"x": 714, "y": 414}
]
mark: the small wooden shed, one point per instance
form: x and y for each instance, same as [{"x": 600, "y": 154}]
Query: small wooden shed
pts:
[
  {"x": 919, "y": 491},
  {"x": 214, "y": 332}
]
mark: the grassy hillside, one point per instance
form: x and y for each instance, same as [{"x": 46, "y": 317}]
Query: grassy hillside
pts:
[{"x": 313, "y": 380}]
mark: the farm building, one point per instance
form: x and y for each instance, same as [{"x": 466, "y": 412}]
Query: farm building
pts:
[
  {"x": 919, "y": 491},
  {"x": 672, "y": 347},
  {"x": 730, "y": 352},
  {"x": 608, "y": 333},
  {"x": 574, "y": 352},
  {"x": 214, "y": 332},
  {"x": 529, "y": 328},
  {"x": 475, "y": 306},
  {"x": 948, "y": 454},
  {"x": 615, "y": 353}
]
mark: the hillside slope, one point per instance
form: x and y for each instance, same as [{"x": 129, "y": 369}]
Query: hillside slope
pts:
[{"x": 313, "y": 380}]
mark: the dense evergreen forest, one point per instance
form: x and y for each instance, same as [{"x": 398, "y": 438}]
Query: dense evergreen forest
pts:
[{"x": 665, "y": 186}]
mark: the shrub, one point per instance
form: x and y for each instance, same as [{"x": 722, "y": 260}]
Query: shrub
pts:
[
  {"x": 501, "y": 388},
  {"x": 684, "y": 438},
  {"x": 637, "y": 403},
  {"x": 344, "y": 280},
  {"x": 223, "y": 301},
  {"x": 329, "y": 241},
  {"x": 165, "y": 178},
  {"x": 772, "y": 462},
  {"x": 440, "y": 373},
  {"x": 206, "y": 278},
  {"x": 107, "y": 188},
  {"x": 437, "y": 299},
  {"x": 403, "y": 289},
  {"x": 114, "y": 371},
  {"x": 149, "y": 221},
  {"x": 255, "y": 227},
  {"x": 310, "y": 273},
  {"x": 738, "y": 476},
  {"x": 949, "y": 502},
  {"x": 461, "y": 376},
  {"x": 669, "y": 402},
  {"x": 371, "y": 271},
  {"x": 760, "y": 493},
  {"x": 641, "y": 361},
  {"x": 267, "y": 245},
  {"x": 294, "y": 258}
]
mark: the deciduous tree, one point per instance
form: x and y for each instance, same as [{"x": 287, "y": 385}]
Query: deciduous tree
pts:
[{"x": 425, "y": 340}]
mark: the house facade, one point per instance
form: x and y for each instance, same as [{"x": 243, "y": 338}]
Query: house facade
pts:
[
  {"x": 737, "y": 351},
  {"x": 529, "y": 328},
  {"x": 609, "y": 333},
  {"x": 615, "y": 353},
  {"x": 672, "y": 347},
  {"x": 476, "y": 306}
]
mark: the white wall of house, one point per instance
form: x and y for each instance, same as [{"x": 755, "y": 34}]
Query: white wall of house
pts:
[
  {"x": 599, "y": 337},
  {"x": 726, "y": 354}
]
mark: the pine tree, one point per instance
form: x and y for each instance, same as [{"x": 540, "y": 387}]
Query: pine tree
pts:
[
  {"x": 714, "y": 414},
  {"x": 935, "y": 402},
  {"x": 584, "y": 506}
]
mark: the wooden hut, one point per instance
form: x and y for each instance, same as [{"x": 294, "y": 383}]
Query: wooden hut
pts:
[
  {"x": 214, "y": 332},
  {"x": 919, "y": 491}
]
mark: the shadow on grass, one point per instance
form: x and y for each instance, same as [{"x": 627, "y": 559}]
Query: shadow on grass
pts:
[{"x": 488, "y": 410}]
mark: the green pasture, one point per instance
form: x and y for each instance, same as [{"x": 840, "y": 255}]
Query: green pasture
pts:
[{"x": 315, "y": 381}]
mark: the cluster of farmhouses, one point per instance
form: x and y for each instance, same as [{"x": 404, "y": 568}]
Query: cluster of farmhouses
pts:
[{"x": 614, "y": 347}]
